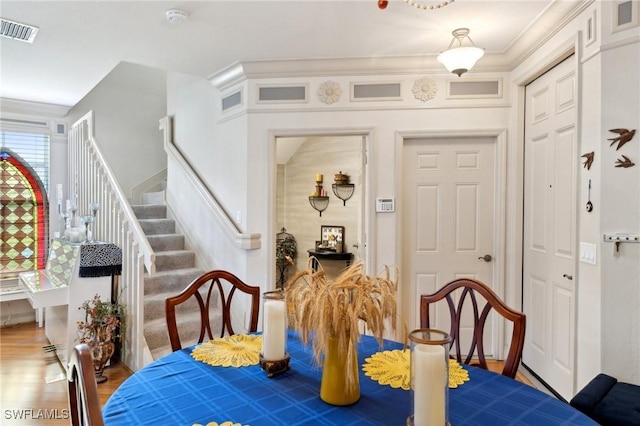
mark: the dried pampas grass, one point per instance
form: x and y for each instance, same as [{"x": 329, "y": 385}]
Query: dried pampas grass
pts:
[{"x": 320, "y": 308}]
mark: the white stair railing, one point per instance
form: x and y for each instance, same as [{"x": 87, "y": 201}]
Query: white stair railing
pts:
[
  {"x": 242, "y": 240},
  {"x": 91, "y": 180}
]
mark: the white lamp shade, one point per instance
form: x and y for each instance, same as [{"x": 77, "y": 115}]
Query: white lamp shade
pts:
[{"x": 460, "y": 59}]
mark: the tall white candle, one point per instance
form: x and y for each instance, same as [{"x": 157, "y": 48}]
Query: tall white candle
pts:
[
  {"x": 430, "y": 371},
  {"x": 59, "y": 193},
  {"x": 273, "y": 333},
  {"x": 59, "y": 197}
]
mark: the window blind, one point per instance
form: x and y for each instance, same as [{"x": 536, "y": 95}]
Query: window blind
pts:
[{"x": 33, "y": 148}]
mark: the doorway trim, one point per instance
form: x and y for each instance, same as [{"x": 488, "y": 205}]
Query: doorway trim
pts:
[
  {"x": 500, "y": 225},
  {"x": 367, "y": 217}
]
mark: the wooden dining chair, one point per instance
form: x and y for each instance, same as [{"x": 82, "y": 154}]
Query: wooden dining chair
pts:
[
  {"x": 468, "y": 296},
  {"x": 84, "y": 404},
  {"x": 203, "y": 294}
]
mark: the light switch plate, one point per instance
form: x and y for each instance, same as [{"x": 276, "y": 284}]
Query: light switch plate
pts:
[{"x": 588, "y": 253}]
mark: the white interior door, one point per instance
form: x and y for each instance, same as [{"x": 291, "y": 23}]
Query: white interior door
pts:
[
  {"x": 448, "y": 219},
  {"x": 549, "y": 248}
]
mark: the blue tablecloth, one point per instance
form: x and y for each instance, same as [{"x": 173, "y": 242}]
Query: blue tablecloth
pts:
[{"x": 177, "y": 390}]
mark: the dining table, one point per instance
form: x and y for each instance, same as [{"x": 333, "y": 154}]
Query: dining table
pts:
[{"x": 179, "y": 389}]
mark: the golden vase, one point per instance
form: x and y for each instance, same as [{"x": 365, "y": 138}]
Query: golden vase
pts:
[{"x": 340, "y": 382}]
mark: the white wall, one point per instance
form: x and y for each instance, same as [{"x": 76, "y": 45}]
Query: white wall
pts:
[
  {"x": 249, "y": 185},
  {"x": 620, "y": 204},
  {"x": 192, "y": 105},
  {"x": 127, "y": 105}
]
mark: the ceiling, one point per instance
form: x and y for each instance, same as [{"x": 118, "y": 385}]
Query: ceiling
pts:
[{"x": 80, "y": 42}]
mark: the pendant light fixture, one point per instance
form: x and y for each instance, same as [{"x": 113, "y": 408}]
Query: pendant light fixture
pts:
[{"x": 459, "y": 59}]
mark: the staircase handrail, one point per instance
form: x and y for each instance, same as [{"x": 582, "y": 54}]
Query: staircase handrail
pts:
[{"x": 247, "y": 241}]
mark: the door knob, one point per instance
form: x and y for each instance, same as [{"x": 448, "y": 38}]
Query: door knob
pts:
[
  {"x": 486, "y": 258},
  {"x": 569, "y": 277}
]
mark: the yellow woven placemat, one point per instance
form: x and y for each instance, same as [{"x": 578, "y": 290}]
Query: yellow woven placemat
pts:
[
  {"x": 239, "y": 350},
  {"x": 392, "y": 368}
]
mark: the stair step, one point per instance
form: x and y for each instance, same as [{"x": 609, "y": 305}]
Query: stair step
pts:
[
  {"x": 175, "y": 259},
  {"x": 170, "y": 281},
  {"x": 153, "y": 197},
  {"x": 150, "y": 211},
  {"x": 154, "y": 306},
  {"x": 157, "y": 226},
  {"x": 188, "y": 329},
  {"x": 165, "y": 242}
]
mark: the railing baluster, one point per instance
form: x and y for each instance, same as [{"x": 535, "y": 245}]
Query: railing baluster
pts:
[{"x": 115, "y": 223}]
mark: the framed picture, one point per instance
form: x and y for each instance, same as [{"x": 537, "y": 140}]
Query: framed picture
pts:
[{"x": 332, "y": 238}]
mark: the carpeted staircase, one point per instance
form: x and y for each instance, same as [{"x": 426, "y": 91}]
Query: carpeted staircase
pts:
[{"x": 174, "y": 271}]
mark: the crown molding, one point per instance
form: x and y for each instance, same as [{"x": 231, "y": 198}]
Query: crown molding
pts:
[
  {"x": 229, "y": 76},
  {"x": 557, "y": 16},
  {"x": 16, "y": 106},
  {"x": 553, "y": 19}
]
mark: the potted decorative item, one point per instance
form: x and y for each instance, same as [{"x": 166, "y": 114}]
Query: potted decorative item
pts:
[
  {"x": 331, "y": 314},
  {"x": 99, "y": 330},
  {"x": 286, "y": 250}
]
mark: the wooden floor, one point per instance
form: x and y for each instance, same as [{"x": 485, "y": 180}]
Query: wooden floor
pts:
[
  {"x": 25, "y": 372},
  {"x": 33, "y": 380}
]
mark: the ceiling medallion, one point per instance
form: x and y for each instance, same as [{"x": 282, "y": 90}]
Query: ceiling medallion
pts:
[
  {"x": 329, "y": 92},
  {"x": 423, "y": 6},
  {"x": 424, "y": 89}
]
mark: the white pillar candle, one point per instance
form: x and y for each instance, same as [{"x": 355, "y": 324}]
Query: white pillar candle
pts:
[
  {"x": 77, "y": 235},
  {"x": 429, "y": 390},
  {"x": 273, "y": 333},
  {"x": 73, "y": 235}
]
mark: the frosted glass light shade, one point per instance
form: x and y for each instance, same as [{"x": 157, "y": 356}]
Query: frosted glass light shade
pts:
[{"x": 460, "y": 59}]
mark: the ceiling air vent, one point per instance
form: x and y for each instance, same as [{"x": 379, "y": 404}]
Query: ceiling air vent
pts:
[{"x": 18, "y": 31}]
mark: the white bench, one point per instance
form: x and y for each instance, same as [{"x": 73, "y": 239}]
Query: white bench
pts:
[{"x": 13, "y": 291}]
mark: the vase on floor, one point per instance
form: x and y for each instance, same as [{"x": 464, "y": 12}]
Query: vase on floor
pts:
[
  {"x": 102, "y": 350},
  {"x": 340, "y": 383}
]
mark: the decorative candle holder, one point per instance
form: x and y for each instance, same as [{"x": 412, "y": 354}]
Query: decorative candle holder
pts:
[
  {"x": 65, "y": 222},
  {"x": 429, "y": 377},
  {"x": 87, "y": 220},
  {"x": 94, "y": 207},
  {"x": 274, "y": 358},
  {"x": 74, "y": 210}
]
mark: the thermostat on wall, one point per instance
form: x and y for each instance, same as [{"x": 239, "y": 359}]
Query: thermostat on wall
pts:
[{"x": 385, "y": 205}]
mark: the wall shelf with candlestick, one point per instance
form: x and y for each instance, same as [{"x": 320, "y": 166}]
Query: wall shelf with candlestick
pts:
[
  {"x": 342, "y": 188},
  {"x": 318, "y": 199},
  {"x": 319, "y": 203},
  {"x": 344, "y": 191}
]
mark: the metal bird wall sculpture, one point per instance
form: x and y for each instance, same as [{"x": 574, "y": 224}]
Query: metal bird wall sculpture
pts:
[
  {"x": 589, "y": 159},
  {"x": 624, "y": 162},
  {"x": 625, "y": 136}
]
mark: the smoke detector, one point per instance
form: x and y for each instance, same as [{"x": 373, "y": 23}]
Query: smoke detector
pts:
[
  {"x": 175, "y": 16},
  {"x": 17, "y": 31}
]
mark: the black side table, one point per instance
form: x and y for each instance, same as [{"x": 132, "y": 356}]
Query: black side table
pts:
[{"x": 328, "y": 255}]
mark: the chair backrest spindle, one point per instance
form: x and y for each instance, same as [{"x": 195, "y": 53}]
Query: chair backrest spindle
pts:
[
  {"x": 212, "y": 281},
  {"x": 470, "y": 290}
]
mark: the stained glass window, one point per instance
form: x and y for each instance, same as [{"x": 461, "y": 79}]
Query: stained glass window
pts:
[{"x": 23, "y": 216}]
